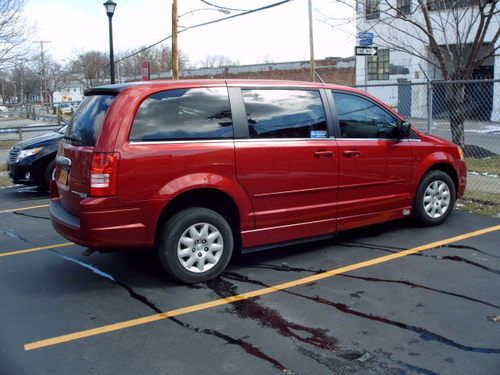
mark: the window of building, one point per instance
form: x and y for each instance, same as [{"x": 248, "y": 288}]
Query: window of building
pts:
[
  {"x": 199, "y": 113},
  {"x": 372, "y": 9},
  {"x": 378, "y": 65},
  {"x": 361, "y": 118},
  {"x": 285, "y": 114},
  {"x": 403, "y": 7},
  {"x": 448, "y": 4}
]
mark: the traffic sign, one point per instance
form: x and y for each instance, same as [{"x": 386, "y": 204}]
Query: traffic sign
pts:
[
  {"x": 145, "y": 71},
  {"x": 366, "y": 42},
  {"x": 365, "y": 51},
  {"x": 365, "y": 35}
]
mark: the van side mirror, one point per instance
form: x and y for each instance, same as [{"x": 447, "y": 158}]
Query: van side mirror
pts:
[{"x": 404, "y": 129}]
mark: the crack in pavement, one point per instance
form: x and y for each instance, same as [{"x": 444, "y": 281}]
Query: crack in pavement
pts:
[
  {"x": 30, "y": 215},
  {"x": 451, "y": 246},
  {"x": 423, "y": 333},
  {"x": 287, "y": 268},
  {"x": 13, "y": 234},
  {"x": 245, "y": 345},
  {"x": 438, "y": 257},
  {"x": 414, "y": 285}
]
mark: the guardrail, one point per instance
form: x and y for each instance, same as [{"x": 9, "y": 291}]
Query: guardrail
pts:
[{"x": 28, "y": 128}]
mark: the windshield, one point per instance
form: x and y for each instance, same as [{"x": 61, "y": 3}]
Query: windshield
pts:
[{"x": 88, "y": 119}]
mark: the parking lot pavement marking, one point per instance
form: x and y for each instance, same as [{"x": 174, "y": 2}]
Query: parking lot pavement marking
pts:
[
  {"x": 23, "y": 208},
  {"x": 34, "y": 249},
  {"x": 256, "y": 293}
]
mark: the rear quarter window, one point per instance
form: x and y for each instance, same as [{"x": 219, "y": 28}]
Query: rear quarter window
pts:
[
  {"x": 88, "y": 119},
  {"x": 184, "y": 114}
]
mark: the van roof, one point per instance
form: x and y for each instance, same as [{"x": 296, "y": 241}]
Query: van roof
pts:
[{"x": 119, "y": 87}]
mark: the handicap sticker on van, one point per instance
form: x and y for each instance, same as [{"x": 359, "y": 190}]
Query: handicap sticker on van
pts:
[{"x": 319, "y": 134}]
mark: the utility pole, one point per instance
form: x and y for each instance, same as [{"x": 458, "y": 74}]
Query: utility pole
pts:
[
  {"x": 43, "y": 86},
  {"x": 311, "y": 42},
  {"x": 175, "y": 50}
]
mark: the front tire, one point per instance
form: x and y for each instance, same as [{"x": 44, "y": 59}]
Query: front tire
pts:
[
  {"x": 435, "y": 198},
  {"x": 195, "y": 245},
  {"x": 48, "y": 175}
]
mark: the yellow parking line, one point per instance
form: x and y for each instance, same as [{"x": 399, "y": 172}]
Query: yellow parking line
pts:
[
  {"x": 244, "y": 296},
  {"x": 24, "y": 208},
  {"x": 34, "y": 249}
]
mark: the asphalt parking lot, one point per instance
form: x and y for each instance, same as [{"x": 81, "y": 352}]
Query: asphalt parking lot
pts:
[{"x": 358, "y": 303}]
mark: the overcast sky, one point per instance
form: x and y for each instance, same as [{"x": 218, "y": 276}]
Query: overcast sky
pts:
[{"x": 278, "y": 34}]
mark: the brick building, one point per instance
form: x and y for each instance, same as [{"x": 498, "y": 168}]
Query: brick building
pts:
[{"x": 331, "y": 70}]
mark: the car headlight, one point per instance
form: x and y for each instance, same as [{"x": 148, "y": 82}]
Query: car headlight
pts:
[
  {"x": 461, "y": 153},
  {"x": 29, "y": 152}
]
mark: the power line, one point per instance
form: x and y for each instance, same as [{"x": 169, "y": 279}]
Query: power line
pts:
[
  {"x": 205, "y": 24},
  {"x": 222, "y": 7}
]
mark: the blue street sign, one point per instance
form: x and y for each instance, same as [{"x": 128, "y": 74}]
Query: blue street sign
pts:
[
  {"x": 366, "y": 42},
  {"x": 365, "y": 35}
]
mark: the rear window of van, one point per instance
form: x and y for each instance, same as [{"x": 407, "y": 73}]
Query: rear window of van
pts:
[{"x": 88, "y": 119}]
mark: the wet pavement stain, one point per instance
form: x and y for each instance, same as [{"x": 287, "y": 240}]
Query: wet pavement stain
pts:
[
  {"x": 423, "y": 333},
  {"x": 270, "y": 318},
  {"x": 245, "y": 345}
]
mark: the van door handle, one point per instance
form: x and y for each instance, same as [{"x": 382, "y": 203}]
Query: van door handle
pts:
[
  {"x": 352, "y": 153},
  {"x": 323, "y": 154}
]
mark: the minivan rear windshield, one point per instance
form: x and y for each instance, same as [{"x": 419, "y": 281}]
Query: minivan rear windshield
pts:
[{"x": 88, "y": 119}]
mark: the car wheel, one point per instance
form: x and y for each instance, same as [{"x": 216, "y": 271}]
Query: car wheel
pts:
[
  {"x": 195, "y": 245},
  {"x": 49, "y": 174},
  {"x": 435, "y": 198}
]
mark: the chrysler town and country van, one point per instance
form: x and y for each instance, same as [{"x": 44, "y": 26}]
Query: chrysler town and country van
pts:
[{"x": 199, "y": 169}]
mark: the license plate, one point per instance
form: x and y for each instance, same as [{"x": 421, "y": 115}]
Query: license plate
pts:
[{"x": 63, "y": 177}]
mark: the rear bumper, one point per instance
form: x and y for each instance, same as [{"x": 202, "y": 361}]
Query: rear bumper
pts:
[{"x": 101, "y": 229}]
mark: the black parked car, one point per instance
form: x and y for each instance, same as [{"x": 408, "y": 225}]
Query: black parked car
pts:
[{"x": 32, "y": 162}]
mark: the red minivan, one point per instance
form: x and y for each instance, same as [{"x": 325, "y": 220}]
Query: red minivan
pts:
[{"x": 197, "y": 169}]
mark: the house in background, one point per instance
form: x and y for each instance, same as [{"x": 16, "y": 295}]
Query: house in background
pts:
[{"x": 392, "y": 66}]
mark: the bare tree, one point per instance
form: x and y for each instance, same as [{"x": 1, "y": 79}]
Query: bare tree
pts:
[
  {"x": 57, "y": 78},
  {"x": 159, "y": 58},
  {"x": 91, "y": 68},
  {"x": 12, "y": 31},
  {"x": 216, "y": 61},
  {"x": 457, "y": 35}
]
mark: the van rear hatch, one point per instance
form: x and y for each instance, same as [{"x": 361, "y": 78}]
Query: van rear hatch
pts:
[{"x": 75, "y": 154}]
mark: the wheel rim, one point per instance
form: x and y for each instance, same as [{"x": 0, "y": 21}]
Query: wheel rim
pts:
[
  {"x": 53, "y": 174},
  {"x": 436, "y": 199},
  {"x": 200, "y": 247}
]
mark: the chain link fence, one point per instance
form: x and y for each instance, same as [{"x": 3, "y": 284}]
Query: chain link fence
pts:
[{"x": 465, "y": 112}]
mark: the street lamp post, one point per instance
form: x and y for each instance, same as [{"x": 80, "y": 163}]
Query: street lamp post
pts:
[{"x": 110, "y": 10}]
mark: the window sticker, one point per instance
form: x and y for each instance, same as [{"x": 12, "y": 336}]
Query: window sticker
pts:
[{"x": 319, "y": 134}]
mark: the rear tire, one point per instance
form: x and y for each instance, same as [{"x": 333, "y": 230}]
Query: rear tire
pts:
[
  {"x": 435, "y": 198},
  {"x": 48, "y": 174},
  {"x": 195, "y": 245}
]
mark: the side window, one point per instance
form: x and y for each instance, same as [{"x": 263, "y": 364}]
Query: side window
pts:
[
  {"x": 285, "y": 114},
  {"x": 184, "y": 114},
  {"x": 360, "y": 118}
]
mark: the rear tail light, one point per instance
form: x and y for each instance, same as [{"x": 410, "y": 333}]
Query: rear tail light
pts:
[{"x": 104, "y": 174}]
